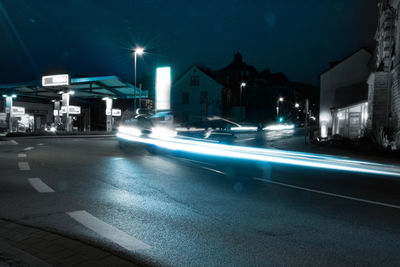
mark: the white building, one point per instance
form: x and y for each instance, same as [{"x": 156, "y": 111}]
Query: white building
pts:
[
  {"x": 195, "y": 95},
  {"x": 344, "y": 96}
]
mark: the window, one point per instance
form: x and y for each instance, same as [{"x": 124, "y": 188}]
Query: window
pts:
[
  {"x": 194, "y": 80},
  {"x": 185, "y": 98},
  {"x": 203, "y": 97}
]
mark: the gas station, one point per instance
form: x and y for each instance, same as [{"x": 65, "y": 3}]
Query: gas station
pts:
[{"x": 62, "y": 103}]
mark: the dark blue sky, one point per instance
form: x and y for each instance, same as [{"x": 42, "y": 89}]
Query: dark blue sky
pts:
[{"x": 95, "y": 37}]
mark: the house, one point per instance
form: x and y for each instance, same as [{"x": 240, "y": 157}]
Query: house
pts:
[
  {"x": 196, "y": 95},
  {"x": 344, "y": 96}
]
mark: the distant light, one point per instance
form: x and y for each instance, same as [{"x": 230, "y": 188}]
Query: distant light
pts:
[
  {"x": 53, "y": 129},
  {"x": 281, "y": 119},
  {"x": 278, "y": 127},
  {"x": 324, "y": 129},
  {"x": 71, "y": 92},
  {"x": 281, "y": 99},
  {"x": 243, "y": 84},
  {"x": 296, "y": 105},
  {"x": 244, "y": 128},
  {"x": 139, "y": 50}
]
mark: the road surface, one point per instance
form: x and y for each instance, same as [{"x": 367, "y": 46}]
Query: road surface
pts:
[{"x": 175, "y": 209}]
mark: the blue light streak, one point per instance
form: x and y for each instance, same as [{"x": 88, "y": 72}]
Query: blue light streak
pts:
[{"x": 265, "y": 155}]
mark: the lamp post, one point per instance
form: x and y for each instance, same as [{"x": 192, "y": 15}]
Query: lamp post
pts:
[
  {"x": 138, "y": 51},
  {"x": 280, "y": 99}
]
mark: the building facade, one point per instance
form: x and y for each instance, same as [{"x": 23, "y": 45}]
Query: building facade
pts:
[
  {"x": 384, "y": 80},
  {"x": 195, "y": 96},
  {"x": 344, "y": 96}
]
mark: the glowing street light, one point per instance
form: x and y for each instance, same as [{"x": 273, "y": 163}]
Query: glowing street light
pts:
[
  {"x": 137, "y": 51},
  {"x": 280, "y": 99},
  {"x": 243, "y": 84},
  {"x": 296, "y": 105}
]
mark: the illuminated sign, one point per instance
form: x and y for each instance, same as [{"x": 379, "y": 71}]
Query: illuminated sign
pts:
[
  {"x": 55, "y": 80},
  {"x": 18, "y": 110},
  {"x": 116, "y": 112},
  {"x": 163, "y": 88},
  {"x": 75, "y": 110}
]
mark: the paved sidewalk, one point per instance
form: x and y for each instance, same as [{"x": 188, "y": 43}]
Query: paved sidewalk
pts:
[{"x": 23, "y": 246}]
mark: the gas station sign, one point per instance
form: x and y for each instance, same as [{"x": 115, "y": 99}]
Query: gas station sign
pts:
[
  {"x": 116, "y": 112},
  {"x": 55, "y": 80},
  {"x": 73, "y": 110},
  {"x": 18, "y": 110}
]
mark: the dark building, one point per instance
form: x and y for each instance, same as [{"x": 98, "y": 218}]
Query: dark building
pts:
[{"x": 253, "y": 96}]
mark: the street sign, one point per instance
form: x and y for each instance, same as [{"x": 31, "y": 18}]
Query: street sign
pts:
[
  {"x": 18, "y": 110},
  {"x": 116, "y": 112},
  {"x": 55, "y": 80},
  {"x": 74, "y": 110}
]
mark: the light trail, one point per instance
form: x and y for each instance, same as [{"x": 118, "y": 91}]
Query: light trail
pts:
[{"x": 266, "y": 155}]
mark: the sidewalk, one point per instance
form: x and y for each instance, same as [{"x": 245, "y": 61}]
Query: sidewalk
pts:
[{"x": 25, "y": 246}]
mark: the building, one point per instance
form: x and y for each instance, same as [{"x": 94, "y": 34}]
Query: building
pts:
[
  {"x": 344, "y": 96},
  {"x": 252, "y": 96},
  {"x": 384, "y": 79},
  {"x": 196, "y": 95}
]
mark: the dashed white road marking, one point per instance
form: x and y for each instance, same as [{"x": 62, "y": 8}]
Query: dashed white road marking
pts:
[
  {"x": 21, "y": 155},
  {"x": 108, "y": 231},
  {"x": 213, "y": 170},
  {"x": 10, "y": 142},
  {"x": 329, "y": 194},
  {"x": 24, "y": 166},
  {"x": 28, "y": 148},
  {"x": 40, "y": 186}
]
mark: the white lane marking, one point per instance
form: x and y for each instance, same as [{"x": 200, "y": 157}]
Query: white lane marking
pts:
[
  {"x": 329, "y": 194},
  {"x": 213, "y": 170},
  {"x": 24, "y": 166},
  {"x": 245, "y": 140},
  {"x": 21, "y": 155},
  {"x": 28, "y": 148},
  {"x": 108, "y": 231},
  {"x": 11, "y": 142},
  {"x": 40, "y": 144},
  {"x": 40, "y": 186}
]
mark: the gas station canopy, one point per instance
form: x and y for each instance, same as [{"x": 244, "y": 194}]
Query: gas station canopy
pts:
[{"x": 84, "y": 88}]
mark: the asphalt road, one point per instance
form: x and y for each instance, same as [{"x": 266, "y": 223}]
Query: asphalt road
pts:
[{"x": 174, "y": 209}]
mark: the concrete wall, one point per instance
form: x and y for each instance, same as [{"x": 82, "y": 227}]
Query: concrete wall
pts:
[
  {"x": 353, "y": 70},
  {"x": 195, "y": 109}
]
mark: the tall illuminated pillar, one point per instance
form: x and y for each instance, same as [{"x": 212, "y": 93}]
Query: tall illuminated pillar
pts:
[{"x": 163, "y": 88}]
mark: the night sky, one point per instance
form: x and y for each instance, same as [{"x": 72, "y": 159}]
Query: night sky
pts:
[{"x": 95, "y": 37}]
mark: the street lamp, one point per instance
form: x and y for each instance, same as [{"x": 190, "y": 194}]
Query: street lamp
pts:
[
  {"x": 280, "y": 99},
  {"x": 138, "y": 51},
  {"x": 243, "y": 84}
]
